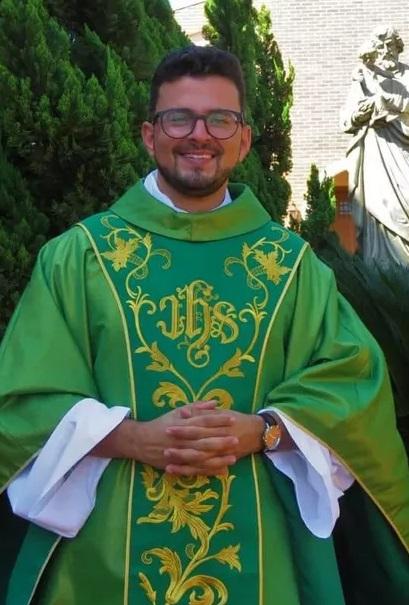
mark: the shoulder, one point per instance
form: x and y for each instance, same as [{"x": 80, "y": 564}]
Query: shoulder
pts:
[
  {"x": 313, "y": 274},
  {"x": 68, "y": 253},
  {"x": 72, "y": 240}
]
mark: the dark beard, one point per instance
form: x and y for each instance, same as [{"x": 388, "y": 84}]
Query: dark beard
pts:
[{"x": 196, "y": 186}]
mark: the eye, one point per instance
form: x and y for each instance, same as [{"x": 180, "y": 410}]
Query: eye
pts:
[
  {"x": 177, "y": 118},
  {"x": 221, "y": 118}
]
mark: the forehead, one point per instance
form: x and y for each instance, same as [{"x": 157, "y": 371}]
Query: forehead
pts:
[{"x": 200, "y": 94}]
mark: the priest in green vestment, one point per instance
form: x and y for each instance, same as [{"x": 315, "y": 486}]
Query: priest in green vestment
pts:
[{"x": 187, "y": 405}]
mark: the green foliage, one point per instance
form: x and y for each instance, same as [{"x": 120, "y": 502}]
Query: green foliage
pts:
[
  {"x": 74, "y": 82},
  {"x": 320, "y": 211},
  {"x": 22, "y": 232},
  {"x": 380, "y": 299},
  {"x": 236, "y": 26},
  {"x": 140, "y": 31}
]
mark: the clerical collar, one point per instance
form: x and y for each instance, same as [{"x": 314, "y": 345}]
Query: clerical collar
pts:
[{"x": 151, "y": 185}]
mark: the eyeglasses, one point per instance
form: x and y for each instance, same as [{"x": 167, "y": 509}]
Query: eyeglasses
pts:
[{"x": 180, "y": 123}]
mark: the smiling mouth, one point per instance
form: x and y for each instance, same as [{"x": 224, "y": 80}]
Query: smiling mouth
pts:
[
  {"x": 198, "y": 156},
  {"x": 199, "y": 153},
  {"x": 199, "y": 159}
]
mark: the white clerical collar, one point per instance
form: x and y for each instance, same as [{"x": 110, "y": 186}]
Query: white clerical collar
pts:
[{"x": 151, "y": 185}]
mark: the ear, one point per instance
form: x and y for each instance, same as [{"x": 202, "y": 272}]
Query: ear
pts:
[
  {"x": 245, "y": 143},
  {"x": 148, "y": 137}
]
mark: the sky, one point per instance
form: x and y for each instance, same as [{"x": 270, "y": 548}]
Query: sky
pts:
[{"x": 175, "y": 4}]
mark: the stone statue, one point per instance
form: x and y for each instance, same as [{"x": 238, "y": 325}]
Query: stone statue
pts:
[{"x": 377, "y": 113}]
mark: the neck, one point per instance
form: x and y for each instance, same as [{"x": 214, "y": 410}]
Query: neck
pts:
[{"x": 192, "y": 203}]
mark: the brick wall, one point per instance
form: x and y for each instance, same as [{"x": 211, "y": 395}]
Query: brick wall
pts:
[{"x": 321, "y": 38}]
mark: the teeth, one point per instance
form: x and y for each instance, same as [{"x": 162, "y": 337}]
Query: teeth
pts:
[{"x": 197, "y": 156}]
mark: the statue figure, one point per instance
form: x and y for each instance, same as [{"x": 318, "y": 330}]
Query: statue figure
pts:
[{"x": 377, "y": 113}]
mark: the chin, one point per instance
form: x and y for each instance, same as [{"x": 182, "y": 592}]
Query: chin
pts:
[{"x": 196, "y": 184}]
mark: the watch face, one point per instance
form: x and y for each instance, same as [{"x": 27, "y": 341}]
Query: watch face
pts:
[{"x": 271, "y": 437}]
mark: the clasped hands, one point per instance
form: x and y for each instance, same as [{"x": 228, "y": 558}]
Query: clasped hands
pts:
[
  {"x": 196, "y": 439},
  {"x": 208, "y": 440}
]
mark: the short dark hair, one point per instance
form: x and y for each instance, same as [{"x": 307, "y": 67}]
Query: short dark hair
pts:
[{"x": 197, "y": 61}]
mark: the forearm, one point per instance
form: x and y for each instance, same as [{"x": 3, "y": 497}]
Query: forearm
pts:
[{"x": 124, "y": 441}]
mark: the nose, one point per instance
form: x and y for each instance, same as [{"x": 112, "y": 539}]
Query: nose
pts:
[{"x": 199, "y": 132}]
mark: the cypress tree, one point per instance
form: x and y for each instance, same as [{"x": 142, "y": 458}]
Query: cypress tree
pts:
[
  {"x": 235, "y": 25},
  {"x": 67, "y": 133},
  {"x": 140, "y": 31},
  {"x": 320, "y": 211},
  {"x": 22, "y": 231},
  {"x": 74, "y": 81}
]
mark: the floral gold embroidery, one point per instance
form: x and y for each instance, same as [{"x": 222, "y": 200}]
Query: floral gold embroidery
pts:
[
  {"x": 182, "y": 502},
  {"x": 122, "y": 253},
  {"x": 264, "y": 257},
  {"x": 124, "y": 242},
  {"x": 269, "y": 262}
]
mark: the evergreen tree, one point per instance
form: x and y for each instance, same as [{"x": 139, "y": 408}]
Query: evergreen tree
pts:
[
  {"x": 22, "y": 231},
  {"x": 67, "y": 133},
  {"x": 236, "y": 26},
  {"x": 74, "y": 82},
  {"x": 140, "y": 31},
  {"x": 320, "y": 211}
]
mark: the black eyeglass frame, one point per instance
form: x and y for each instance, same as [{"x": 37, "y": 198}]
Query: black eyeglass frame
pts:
[{"x": 195, "y": 116}]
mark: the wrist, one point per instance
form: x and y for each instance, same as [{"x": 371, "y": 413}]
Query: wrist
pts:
[
  {"x": 137, "y": 440},
  {"x": 259, "y": 426},
  {"x": 119, "y": 443}
]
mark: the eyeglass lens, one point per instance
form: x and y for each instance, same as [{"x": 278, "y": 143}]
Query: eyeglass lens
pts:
[{"x": 220, "y": 124}]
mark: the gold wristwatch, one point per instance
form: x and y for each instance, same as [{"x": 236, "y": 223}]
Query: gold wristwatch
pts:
[{"x": 272, "y": 432}]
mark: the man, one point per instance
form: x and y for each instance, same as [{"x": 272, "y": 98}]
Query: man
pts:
[
  {"x": 377, "y": 113},
  {"x": 157, "y": 333}
]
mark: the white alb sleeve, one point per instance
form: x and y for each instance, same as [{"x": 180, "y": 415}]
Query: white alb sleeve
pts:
[
  {"x": 57, "y": 491},
  {"x": 319, "y": 478}
]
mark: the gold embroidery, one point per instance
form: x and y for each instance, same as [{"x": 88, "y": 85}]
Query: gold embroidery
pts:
[
  {"x": 265, "y": 257},
  {"x": 198, "y": 316},
  {"x": 124, "y": 242},
  {"x": 169, "y": 394},
  {"x": 182, "y": 502}
]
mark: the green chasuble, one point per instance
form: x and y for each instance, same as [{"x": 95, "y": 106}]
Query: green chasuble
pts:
[{"x": 149, "y": 308}]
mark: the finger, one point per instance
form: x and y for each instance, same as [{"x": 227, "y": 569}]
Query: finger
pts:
[
  {"x": 202, "y": 449},
  {"x": 197, "y": 408},
  {"x": 188, "y": 432},
  {"x": 211, "y": 419},
  {"x": 189, "y": 410},
  {"x": 204, "y": 405},
  {"x": 223, "y": 445},
  {"x": 202, "y": 457}
]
